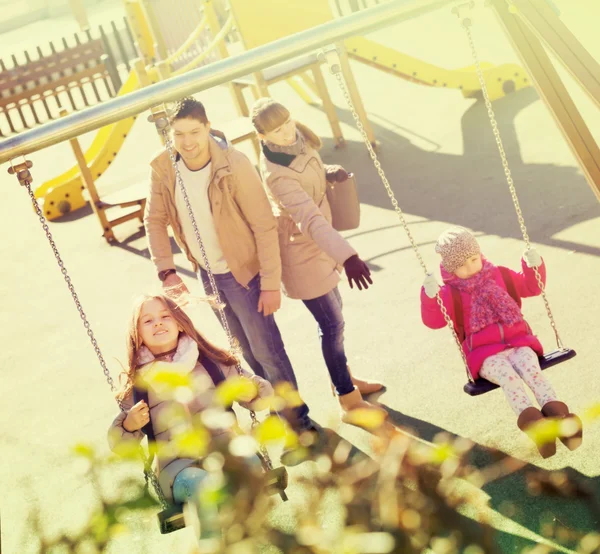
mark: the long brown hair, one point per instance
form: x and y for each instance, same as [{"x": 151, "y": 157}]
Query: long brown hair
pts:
[
  {"x": 267, "y": 115},
  {"x": 134, "y": 342}
]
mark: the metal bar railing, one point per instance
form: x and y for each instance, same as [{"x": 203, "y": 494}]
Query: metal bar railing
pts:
[{"x": 212, "y": 75}]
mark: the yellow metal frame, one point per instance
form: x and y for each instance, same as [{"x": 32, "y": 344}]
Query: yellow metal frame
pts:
[{"x": 525, "y": 22}]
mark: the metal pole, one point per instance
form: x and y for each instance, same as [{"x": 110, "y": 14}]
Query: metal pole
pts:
[{"x": 212, "y": 75}]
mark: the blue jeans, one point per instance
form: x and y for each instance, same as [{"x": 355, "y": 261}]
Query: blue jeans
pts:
[
  {"x": 327, "y": 310},
  {"x": 187, "y": 487},
  {"x": 258, "y": 336}
]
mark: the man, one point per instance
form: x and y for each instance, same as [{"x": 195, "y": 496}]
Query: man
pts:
[{"x": 239, "y": 233}]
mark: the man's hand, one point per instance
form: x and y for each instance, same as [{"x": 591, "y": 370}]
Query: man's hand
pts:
[
  {"x": 174, "y": 287},
  {"x": 269, "y": 302}
]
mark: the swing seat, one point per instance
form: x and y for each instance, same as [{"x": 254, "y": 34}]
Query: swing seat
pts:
[
  {"x": 277, "y": 481},
  {"x": 481, "y": 386},
  {"x": 171, "y": 519}
]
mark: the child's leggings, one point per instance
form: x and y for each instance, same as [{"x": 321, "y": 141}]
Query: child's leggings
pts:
[{"x": 510, "y": 368}]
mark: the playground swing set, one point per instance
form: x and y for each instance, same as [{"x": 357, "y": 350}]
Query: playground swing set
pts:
[
  {"x": 171, "y": 517},
  {"x": 65, "y": 193}
]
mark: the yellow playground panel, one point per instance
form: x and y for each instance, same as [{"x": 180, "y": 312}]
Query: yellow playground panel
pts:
[{"x": 262, "y": 21}]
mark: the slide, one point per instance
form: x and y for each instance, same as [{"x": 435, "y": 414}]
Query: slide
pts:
[
  {"x": 500, "y": 80},
  {"x": 64, "y": 193}
]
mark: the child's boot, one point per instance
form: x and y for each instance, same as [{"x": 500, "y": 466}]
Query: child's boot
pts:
[
  {"x": 527, "y": 419},
  {"x": 352, "y": 402},
  {"x": 572, "y": 437}
]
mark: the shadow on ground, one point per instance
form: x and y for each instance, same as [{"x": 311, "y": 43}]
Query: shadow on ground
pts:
[
  {"x": 471, "y": 189},
  {"x": 561, "y": 505}
]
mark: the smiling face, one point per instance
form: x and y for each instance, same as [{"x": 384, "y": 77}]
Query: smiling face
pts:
[
  {"x": 157, "y": 327},
  {"x": 190, "y": 136},
  {"x": 283, "y": 135},
  {"x": 470, "y": 268}
]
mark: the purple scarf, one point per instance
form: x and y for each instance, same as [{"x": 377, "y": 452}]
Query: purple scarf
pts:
[{"x": 490, "y": 303}]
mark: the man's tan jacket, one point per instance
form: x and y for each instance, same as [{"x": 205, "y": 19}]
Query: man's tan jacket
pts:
[{"x": 245, "y": 225}]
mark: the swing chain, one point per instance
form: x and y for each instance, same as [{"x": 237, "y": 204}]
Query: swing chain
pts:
[
  {"x": 148, "y": 473},
  {"x": 220, "y": 306},
  {"x": 27, "y": 184},
  {"x": 466, "y": 24},
  {"x": 331, "y": 56}
]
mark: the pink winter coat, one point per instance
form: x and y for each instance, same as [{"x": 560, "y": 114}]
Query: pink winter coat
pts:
[{"x": 494, "y": 338}]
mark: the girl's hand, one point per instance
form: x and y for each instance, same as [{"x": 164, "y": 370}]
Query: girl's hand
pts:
[
  {"x": 532, "y": 258},
  {"x": 137, "y": 417},
  {"x": 431, "y": 286}
]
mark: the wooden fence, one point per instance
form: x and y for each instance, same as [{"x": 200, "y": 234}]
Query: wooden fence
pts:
[{"x": 80, "y": 72}]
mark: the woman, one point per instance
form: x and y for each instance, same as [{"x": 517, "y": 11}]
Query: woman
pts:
[{"x": 312, "y": 251}]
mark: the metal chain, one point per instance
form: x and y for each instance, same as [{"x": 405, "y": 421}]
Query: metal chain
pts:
[
  {"x": 335, "y": 69},
  {"x": 233, "y": 343},
  {"x": 151, "y": 476},
  {"x": 63, "y": 270},
  {"x": 466, "y": 24},
  {"x": 148, "y": 472}
]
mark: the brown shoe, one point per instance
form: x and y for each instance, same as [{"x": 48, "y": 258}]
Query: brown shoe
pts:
[
  {"x": 527, "y": 420},
  {"x": 364, "y": 387},
  {"x": 357, "y": 411},
  {"x": 573, "y": 438}
]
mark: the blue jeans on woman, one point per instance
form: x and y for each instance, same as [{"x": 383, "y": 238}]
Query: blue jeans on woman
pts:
[
  {"x": 258, "y": 335},
  {"x": 327, "y": 310}
]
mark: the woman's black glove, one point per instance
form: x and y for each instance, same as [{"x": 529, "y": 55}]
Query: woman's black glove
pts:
[
  {"x": 335, "y": 174},
  {"x": 357, "y": 271}
]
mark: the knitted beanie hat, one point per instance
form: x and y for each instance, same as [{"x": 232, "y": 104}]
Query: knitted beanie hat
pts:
[{"x": 456, "y": 246}]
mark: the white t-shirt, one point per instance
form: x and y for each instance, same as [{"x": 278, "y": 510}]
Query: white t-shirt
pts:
[{"x": 196, "y": 185}]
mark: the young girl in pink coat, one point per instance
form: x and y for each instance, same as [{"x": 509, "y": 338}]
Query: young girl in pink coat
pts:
[{"x": 498, "y": 343}]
